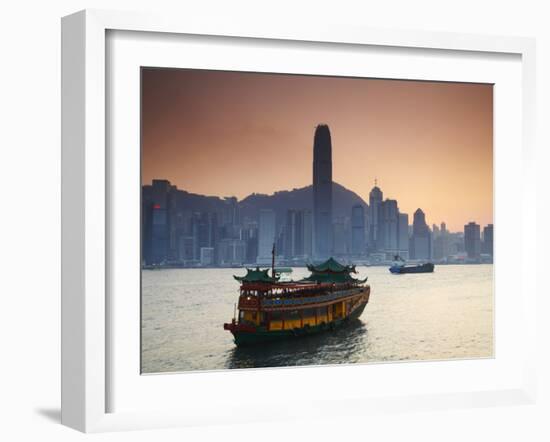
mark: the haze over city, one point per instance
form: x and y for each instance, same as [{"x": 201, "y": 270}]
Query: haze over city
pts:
[{"x": 231, "y": 134}]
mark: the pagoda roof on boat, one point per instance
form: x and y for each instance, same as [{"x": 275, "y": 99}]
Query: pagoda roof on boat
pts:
[
  {"x": 331, "y": 266},
  {"x": 257, "y": 275},
  {"x": 331, "y": 271},
  {"x": 336, "y": 278}
]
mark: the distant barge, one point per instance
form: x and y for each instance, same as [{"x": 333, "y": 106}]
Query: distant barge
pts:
[
  {"x": 272, "y": 310},
  {"x": 399, "y": 267}
]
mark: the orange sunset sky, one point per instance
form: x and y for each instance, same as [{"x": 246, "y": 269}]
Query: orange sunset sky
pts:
[{"x": 429, "y": 144}]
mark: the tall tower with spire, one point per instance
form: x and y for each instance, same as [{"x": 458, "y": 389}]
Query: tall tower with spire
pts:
[{"x": 322, "y": 192}]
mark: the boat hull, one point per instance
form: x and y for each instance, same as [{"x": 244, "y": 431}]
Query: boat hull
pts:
[
  {"x": 257, "y": 336},
  {"x": 423, "y": 268}
]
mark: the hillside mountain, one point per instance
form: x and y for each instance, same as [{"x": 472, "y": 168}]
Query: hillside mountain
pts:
[
  {"x": 198, "y": 203},
  {"x": 302, "y": 198}
]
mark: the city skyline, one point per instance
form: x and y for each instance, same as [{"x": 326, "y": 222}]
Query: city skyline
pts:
[
  {"x": 228, "y": 197},
  {"x": 194, "y": 230},
  {"x": 423, "y": 141}
]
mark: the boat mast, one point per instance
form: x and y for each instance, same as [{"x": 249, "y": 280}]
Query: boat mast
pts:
[{"x": 273, "y": 261}]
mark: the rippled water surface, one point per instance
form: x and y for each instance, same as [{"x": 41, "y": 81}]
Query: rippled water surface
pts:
[{"x": 443, "y": 315}]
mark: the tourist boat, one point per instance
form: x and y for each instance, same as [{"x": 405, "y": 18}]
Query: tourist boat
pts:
[
  {"x": 270, "y": 309},
  {"x": 399, "y": 267}
]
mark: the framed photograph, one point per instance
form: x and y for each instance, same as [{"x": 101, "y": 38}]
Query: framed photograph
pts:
[{"x": 304, "y": 216}]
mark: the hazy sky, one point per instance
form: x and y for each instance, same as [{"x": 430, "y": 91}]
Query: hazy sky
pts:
[{"x": 231, "y": 134}]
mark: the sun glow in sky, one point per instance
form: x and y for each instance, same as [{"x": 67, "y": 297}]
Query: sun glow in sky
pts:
[{"x": 429, "y": 144}]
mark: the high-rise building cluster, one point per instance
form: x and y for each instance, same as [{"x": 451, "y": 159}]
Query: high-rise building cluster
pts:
[
  {"x": 388, "y": 228},
  {"x": 174, "y": 234},
  {"x": 190, "y": 230},
  {"x": 478, "y": 246}
]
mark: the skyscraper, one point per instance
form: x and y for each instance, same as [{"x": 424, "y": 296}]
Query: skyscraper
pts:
[
  {"x": 472, "y": 240},
  {"x": 230, "y": 218},
  {"x": 308, "y": 234},
  {"x": 487, "y": 246},
  {"x": 442, "y": 244},
  {"x": 294, "y": 234},
  {"x": 403, "y": 235},
  {"x": 187, "y": 249},
  {"x": 340, "y": 236},
  {"x": 158, "y": 204},
  {"x": 375, "y": 200},
  {"x": 388, "y": 226},
  {"x": 206, "y": 229},
  {"x": 232, "y": 251},
  {"x": 249, "y": 234},
  {"x": 322, "y": 192},
  {"x": 421, "y": 239},
  {"x": 266, "y": 235},
  {"x": 357, "y": 229}
]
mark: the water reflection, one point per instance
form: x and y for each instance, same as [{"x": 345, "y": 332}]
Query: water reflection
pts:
[
  {"x": 444, "y": 315},
  {"x": 340, "y": 346}
]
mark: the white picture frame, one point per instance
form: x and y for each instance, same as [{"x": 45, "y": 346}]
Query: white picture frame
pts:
[{"x": 87, "y": 355}]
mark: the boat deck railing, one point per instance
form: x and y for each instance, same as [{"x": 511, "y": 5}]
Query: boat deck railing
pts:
[
  {"x": 294, "y": 288},
  {"x": 283, "y": 302},
  {"x": 255, "y": 302}
]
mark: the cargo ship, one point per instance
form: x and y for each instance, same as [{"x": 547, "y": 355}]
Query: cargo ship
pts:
[
  {"x": 400, "y": 267},
  {"x": 269, "y": 309}
]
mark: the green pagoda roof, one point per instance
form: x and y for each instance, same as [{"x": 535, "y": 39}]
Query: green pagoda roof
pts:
[
  {"x": 337, "y": 278},
  {"x": 332, "y": 271},
  {"x": 256, "y": 275},
  {"x": 332, "y": 266}
]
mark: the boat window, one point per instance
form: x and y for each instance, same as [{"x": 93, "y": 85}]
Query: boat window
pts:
[
  {"x": 247, "y": 317},
  {"x": 276, "y": 316},
  {"x": 291, "y": 314}
]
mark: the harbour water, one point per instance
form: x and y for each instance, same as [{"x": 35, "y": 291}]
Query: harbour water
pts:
[{"x": 433, "y": 316}]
